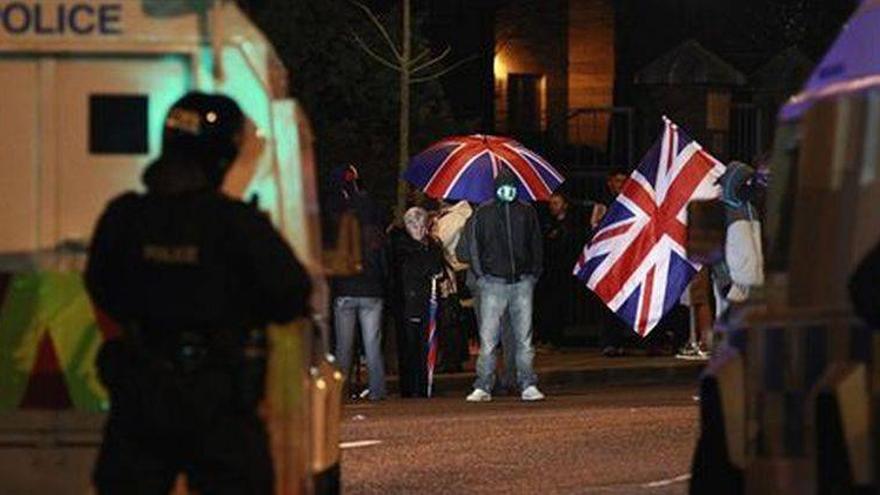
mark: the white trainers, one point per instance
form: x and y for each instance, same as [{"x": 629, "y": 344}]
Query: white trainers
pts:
[
  {"x": 479, "y": 395},
  {"x": 693, "y": 353},
  {"x": 531, "y": 394}
]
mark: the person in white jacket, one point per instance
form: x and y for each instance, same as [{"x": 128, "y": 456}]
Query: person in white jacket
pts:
[
  {"x": 742, "y": 268},
  {"x": 446, "y": 228},
  {"x": 741, "y": 264}
]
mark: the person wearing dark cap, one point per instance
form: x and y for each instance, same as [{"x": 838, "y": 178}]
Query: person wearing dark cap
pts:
[
  {"x": 504, "y": 250},
  {"x": 190, "y": 278}
]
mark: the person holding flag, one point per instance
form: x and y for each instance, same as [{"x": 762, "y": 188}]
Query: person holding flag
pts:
[{"x": 636, "y": 262}]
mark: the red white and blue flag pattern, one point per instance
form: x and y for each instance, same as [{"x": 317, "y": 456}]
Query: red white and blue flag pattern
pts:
[
  {"x": 431, "y": 358},
  {"x": 465, "y": 167},
  {"x": 636, "y": 261}
]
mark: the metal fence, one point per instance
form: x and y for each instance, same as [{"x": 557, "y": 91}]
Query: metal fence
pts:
[
  {"x": 601, "y": 136},
  {"x": 748, "y": 131},
  {"x": 597, "y": 140}
]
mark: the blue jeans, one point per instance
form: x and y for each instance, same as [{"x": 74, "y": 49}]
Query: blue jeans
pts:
[
  {"x": 368, "y": 311},
  {"x": 508, "y": 340},
  {"x": 496, "y": 297}
]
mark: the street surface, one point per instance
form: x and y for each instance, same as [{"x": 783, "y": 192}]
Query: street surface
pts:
[{"x": 607, "y": 440}]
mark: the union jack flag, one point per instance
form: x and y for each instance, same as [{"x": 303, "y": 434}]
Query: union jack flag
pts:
[{"x": 636, "y": 261}]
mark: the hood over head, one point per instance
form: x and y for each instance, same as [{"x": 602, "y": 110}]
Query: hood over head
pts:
[
  {"x": 735, "y": 188},
  {"x": 505, "y": 186},
  {"x": 505, "y": 178}
]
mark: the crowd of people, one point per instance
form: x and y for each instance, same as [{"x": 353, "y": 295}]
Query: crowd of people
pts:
[
  {"x": 184, "y": 279},
  {"x": 503, "y": 279},
  {"x": 504, "y": 283}
]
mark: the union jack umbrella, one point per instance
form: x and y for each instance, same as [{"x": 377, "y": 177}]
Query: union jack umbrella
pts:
[
  {"x": 431, "y": 360},
  {"x": 464, "y": 167},
  {"x": 636, "y": 261}
]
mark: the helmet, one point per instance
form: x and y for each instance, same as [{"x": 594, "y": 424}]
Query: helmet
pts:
[{"x": 204, "y": 128}]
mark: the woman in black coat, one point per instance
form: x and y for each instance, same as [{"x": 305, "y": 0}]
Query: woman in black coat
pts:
[{"x": 417, "y": 259}]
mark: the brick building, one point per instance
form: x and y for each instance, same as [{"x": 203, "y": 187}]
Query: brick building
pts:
[{"x": 551, "y": 59}]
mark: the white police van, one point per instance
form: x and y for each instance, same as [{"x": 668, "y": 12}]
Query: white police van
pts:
[{"x": 84, "y": 86}]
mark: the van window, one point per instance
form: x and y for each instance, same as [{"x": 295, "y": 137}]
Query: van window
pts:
[{"x": 118, "y": 124}]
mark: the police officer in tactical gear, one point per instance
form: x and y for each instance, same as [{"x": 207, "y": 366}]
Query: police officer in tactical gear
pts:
[{"x": 191, "y": 277}]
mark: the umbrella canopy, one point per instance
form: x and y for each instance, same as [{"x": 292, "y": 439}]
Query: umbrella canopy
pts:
[{"x": 465, "y": 167}]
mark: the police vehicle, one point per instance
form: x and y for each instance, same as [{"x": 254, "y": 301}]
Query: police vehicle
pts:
[{"x": 790, "y": 406}]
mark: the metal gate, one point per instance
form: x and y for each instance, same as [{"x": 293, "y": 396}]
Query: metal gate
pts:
[
  {"x": 599, "y": 139},
  {"x": 747, "y": 132}
]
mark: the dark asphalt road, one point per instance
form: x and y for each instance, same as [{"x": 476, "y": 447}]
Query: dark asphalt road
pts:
[{"x": 615, "y": 440}]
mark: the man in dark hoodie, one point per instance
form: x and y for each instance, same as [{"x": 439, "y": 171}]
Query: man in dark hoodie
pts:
[
  {"x": 504, "y": 247},
  {"x": 359, "y": 298},
  {"x": 189, "y": 278}
]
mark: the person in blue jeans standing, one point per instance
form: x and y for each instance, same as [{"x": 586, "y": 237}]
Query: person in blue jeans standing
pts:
[
  {"x": 504, "y": 246},
  {"x": 360, "y": 298}
]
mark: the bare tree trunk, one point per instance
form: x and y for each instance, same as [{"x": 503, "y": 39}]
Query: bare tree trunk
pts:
[
  {"x": 406, "y": 57},
  {"x": 412, "y": 70}
]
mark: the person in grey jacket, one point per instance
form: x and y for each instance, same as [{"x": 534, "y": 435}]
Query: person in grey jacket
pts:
[{"x": 504, "y": 248}]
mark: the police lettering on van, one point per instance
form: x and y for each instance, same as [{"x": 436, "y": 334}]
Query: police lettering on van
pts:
[{"x": 81, "y": 17}]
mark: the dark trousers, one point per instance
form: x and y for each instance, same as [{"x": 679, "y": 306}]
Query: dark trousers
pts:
[
  {"x": 671, "y": 331},
  {"x": 612, "y": 330},
  {"x": 165, "y": 420},
  {"x": 551, "y": 309},
  {"x": 452, "y": 337},
  {"x": 557, "y": 297},
  {"x": 411, "y": 356},
  {"x": 229, "y": 456}
]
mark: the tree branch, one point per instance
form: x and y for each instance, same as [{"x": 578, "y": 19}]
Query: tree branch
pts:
[
  {"x": 443, "y": 72},
  {"x": 420, "y": 56},
  {"x": 375, "y": 56},
  {"x": 381, "y": 28},
  {"x": 432, "y": 61}
]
